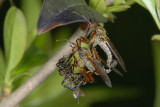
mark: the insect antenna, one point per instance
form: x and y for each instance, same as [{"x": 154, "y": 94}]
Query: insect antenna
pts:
[
  {"x": 90, "y": 14},
  {"x": 88, "y": 31},
  {"x": 82, "y": 17}
]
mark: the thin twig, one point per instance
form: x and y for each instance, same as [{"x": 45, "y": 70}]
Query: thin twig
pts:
[{"x": 40, "y": 76}]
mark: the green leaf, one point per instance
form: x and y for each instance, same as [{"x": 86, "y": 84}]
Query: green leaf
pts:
[
  {"x": 151, "y": 6},
  {"x": 2, "y": 67},
  {"x": 156, "y": 57},
  {"x": 118, "y": 8},
  {"x": 119, "y": 2},
  {"x": 15, "y": 37},
  {"x": 31, "y": 9},
  {"x": 47, "y": 42},
  {"x": 109, "y": 2},
  {"x": 31, "y": 36},
  {"x": 31, "y": 17},
  {"x": 49, "y": 90},
  {"x": 44, "y": 42},
  {"x": 158, "y": 8},
  {"x": 18, "y": 76},
  {"x": 99, "y": 5},
  {"x": 130, "y": 2},
  {"x": 32, "y": 57},
  {"x": 140, "y": 2}
]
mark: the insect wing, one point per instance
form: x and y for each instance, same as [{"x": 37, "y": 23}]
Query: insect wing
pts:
[
  {"x": 102, "y": 72},
  {"x": 104, "y": 75},
  {"x": 116, "y": 54},
  {"x": 56, "y": 13}
]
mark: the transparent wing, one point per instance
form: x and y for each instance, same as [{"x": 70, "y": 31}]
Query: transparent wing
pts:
[
  {"x": 116, "y": 54},
  {"x": 101, "y": 71}
]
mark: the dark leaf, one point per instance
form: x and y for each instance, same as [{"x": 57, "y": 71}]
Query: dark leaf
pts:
[{"x": 56, "y": 13}]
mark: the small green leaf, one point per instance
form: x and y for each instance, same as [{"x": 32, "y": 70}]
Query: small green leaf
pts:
[
  {"x": 99, "y": 5},
  {"x": 118, "y": 8},
  {"x": 15, "y": 37},
  {"x": 2, "y": 67},
  {"x": 31, "y": 9},
  {"x": 130, "y": 2},
  {"x": 119, "y": 2},
  {"x": 151, "y": 6},
  {"x": 31, "y": 17},
  {"x": 32, "y": 57},
  {"x": 140, "y": 2},
  {"x": 31, "y": 36},
  {"x": 158, "y": 8}
]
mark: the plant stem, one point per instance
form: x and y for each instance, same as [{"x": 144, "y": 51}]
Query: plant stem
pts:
[
  {"x": 41, "y": 75},
  {"x": 156, "y": 55}
]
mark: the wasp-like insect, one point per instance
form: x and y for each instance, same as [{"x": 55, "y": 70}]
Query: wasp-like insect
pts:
[
  {"x": 85, "y": 58},
  {"x": 71, "y": 80},
  {"x": 98, "y": 37}
]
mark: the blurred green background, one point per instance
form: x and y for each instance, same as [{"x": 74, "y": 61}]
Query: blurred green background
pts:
[{"x": 131, "y": 33}]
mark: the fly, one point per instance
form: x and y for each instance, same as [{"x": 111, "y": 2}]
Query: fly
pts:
[
  {"x": 86, "y": 59},
  {"x": 71, "y": 80},
  {"x": 98, "y": 37}
]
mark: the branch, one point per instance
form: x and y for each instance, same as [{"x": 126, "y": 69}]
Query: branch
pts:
[{"x": 40, "y": 76}]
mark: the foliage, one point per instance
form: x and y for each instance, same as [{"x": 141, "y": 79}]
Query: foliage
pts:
[{"x": 153, "y": 6}]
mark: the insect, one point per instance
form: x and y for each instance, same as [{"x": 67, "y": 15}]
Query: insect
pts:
[
  {"x": 71, "y": 80},
  {"x": 86, "y": 59},
  {"x": 98, "y": 37},
  {"x": 56, "y": 13}
]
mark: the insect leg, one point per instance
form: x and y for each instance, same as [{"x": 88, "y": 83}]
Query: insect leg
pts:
[
  {"x": 82, "y": 39},
  {"x": 75, "y": 61},
  {"x": 91, "y": 77},
  {"x": 95, "y": 54},
  {"x": 86, "y": 75},
  {"x": 92, "y": 34}
]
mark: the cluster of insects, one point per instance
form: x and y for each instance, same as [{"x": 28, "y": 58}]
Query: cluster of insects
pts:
[{"x": 89, "y": 61}]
